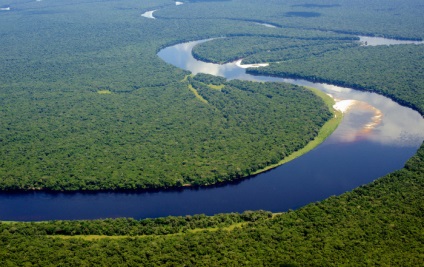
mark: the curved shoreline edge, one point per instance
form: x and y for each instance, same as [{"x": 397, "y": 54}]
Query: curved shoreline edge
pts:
[
  {"x": 326, "y": 130},
  {"x": 396, "y": 98}
]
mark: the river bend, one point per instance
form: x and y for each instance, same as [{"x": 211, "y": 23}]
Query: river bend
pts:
[{"x": 377, "y": 136}]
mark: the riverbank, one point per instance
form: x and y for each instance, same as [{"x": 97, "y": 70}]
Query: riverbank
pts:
[{"x": 326, "y": 130}]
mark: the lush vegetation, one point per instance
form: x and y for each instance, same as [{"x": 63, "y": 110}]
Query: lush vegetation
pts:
[
  {"x": 55, "y": 115},
  {"x": 88, "y": 108},
  {"x": 98, "y": 143},
  {"x": 130, "y": 227},
  {"x": 393, "y": 71},
  {"x": 377, "y": 224},
  {"x": 258, "y": 49},
  {"x": 396, "y": 19}
]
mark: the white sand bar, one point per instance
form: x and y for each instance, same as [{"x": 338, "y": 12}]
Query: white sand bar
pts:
[
  {"x": 245, "y": 66},
  {"x": 148, "y": 14}
]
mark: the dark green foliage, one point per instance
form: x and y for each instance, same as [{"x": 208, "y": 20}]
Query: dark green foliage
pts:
[
  {"x": 257, "y": 49},
  {"x": 393, "y": 71},
  {"x": 395, "y": 19},
  {"x": 131, "y": 227},
  {"x": 40, "y": 93},
  {"x": 93, "y": 142},
  {"x": 209, "y": 79},
  {"x": 377, "y": 224},
  {"x": 60, "y": 132},
  {"x": 243, "y": 104}
]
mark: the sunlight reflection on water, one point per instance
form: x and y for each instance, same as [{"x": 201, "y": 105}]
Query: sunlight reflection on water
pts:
[{"x": 371, "y": 116}]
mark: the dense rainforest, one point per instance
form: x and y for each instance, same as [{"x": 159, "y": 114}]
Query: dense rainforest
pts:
[
  {"x": 85, "y": 103},
  {"x": 377, "y": 224},
  {"x": 235, "y": 132},
  {"x": 258, "y": 49},
  {"x": 393, "y": 71},
  {"x": 394, "y": 19}
]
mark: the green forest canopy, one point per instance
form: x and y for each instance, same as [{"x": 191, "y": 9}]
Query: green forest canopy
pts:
[
  {"x": 377, "y": 224},
  {"x": 53, "y": 81},
  {"x": 61, "y": 131}
]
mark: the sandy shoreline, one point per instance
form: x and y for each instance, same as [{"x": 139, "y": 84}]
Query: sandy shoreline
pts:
[{"x": 245, "y": 66}]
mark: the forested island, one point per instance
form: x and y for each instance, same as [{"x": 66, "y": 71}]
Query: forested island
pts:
[{"x": 86, "y": 104}]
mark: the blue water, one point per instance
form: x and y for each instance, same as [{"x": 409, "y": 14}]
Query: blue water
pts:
[
  {"x": 317, "y": 175},
  {"x": 350, "y": 157}
]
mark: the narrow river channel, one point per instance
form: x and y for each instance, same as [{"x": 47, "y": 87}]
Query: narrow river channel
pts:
[{"x": 377, "y": 136}]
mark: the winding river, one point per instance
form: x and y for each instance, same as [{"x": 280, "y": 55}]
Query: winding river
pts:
[{"x": 376, "y": 137}]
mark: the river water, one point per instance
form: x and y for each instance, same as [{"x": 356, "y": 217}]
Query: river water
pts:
[
  {"x": 373, "y": 41},
  {"x": 376, "y": 137}
]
